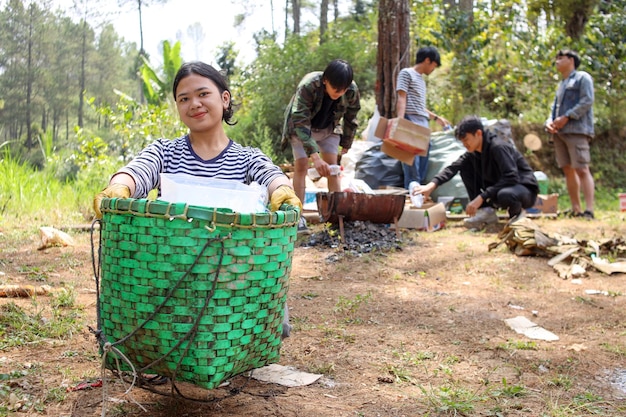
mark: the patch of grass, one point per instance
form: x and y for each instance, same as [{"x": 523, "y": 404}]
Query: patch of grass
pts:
[
  {"x": 451, "y": 360},
  {"x": 301, "y": 323},
  {"x": 462, "y": 246},
  {"x": 561, "y": 381},
  {"x": 585, "y": 404},
  {"x": 619, "y": 350},
  {"x": 518, "y": 345},
  {"x": 70, "y": 260},
  {"x": 324, "y": 369},
  {"x": 335, "y": 334},
  {"x": 509, "y": 390},
  {"x": 14, "y": 397},
  {"x": 398, "y": 373},
  {"x": 414, "y": 358},
  {"x": 19, "y": 327},
  {"x": 65, "y": 298},
  {"x": 55, "y": 395},
  {"x": 350, "y": 307},
  {"x": 33, "y": 273},
  {"x": 451, "y": 400},
  {"x": 592, "y": 404},
  {"x": 309, "y": 295}
]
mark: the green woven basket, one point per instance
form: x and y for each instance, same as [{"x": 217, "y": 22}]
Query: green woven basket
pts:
[{"x": 193, "y": 293}]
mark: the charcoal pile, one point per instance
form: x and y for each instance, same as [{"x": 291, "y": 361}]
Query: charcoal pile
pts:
[{"x": 359, "y": 236}]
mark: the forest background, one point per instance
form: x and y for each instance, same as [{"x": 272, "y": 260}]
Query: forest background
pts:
[{"x": 77, "y": 101}]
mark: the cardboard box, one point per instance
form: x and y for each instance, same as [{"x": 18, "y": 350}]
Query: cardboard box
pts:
[
  {"x": 546, "y": 204},
  {"x": 402, "y": 139},
  {"x": 430, "y": 217}
]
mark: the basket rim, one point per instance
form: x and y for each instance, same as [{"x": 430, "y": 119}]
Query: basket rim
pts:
[{"x": 288, "y": 216}]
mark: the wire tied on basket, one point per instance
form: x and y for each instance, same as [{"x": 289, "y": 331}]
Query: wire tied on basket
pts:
[
  {"x": 109, "y": 347},
  {"x": 106, "y": 348}
]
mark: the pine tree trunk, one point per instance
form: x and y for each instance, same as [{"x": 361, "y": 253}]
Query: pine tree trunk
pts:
[
  {"x": 323, "y": 20},
  {"x": 393, "y": 47}
]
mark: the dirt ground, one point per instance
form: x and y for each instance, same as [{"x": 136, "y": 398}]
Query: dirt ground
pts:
[{"x": 417, "y": 331}]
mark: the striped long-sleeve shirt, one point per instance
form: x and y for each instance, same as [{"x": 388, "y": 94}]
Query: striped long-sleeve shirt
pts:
[{"x": 236, "y": 162}]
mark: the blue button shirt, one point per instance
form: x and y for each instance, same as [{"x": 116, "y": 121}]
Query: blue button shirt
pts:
[{"x": 574, "y": 99}]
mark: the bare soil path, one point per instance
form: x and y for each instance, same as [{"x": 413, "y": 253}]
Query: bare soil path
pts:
[{"x": 416, "y": 331}]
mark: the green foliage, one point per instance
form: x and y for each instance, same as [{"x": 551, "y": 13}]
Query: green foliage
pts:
[
  {"x": 157, "y": 87},
  {"x": 226, "y": 57},
  {"x": 262, "y": 104},
  {"x": 605, "y": 52},
  {"x": 452, "y": 400},
  {"x": 136, "y": 125}
]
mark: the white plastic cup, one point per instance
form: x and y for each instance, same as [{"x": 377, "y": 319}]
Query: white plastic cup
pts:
[{"x": 418, "y": 199}]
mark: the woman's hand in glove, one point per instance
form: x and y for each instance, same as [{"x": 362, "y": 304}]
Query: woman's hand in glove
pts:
[
  {"x": 284, "y": 194},
  {"x": 112, "y": 191}
]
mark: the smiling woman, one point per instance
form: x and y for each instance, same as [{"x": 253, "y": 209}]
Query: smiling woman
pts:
[{"x": 204, "y": 101}]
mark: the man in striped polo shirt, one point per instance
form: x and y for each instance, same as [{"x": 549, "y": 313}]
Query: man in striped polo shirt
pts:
[{"x": 411, "y": 105}]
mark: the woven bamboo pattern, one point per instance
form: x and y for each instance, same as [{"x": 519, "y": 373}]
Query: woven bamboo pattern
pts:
[{"x": 193, "y": 293}]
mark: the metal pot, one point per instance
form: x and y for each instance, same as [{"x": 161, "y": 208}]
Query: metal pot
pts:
[{"x": 376, "y": 208}]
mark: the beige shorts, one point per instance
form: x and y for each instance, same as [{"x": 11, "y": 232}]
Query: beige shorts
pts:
[
  {"x": 572, "y": 149},
  {"x": 326, "y": 140}
]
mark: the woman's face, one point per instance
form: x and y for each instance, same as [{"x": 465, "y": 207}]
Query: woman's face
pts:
[{"x": 200, "y": 104}]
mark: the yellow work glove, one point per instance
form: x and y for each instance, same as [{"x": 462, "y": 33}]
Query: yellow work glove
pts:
[
  {"x": 284, "y": 194},
  {"x": 112, "y": 191}
]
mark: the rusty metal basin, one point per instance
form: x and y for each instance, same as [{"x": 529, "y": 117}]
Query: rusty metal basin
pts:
[{"x": 376, "y": 208}]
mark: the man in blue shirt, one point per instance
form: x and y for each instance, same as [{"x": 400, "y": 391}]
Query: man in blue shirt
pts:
[{"x": 571, "y": 126}]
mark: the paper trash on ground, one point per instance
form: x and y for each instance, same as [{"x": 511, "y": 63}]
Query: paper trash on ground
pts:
[
  {"x": 285, "y": 376},
  {"x": 608, "y": 267},
  {"x": 529, "y": 329}
]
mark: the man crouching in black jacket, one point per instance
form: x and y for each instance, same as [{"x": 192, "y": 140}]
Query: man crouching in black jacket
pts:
[{"x": 495, "y": 174}]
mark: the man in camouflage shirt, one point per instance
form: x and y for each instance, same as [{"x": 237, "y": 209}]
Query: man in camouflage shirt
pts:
[{"x": 313, "y": 125}]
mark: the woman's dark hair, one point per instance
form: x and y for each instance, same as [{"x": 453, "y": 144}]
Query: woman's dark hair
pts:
[
  {"x": 571, "y": 54},
  {"x": 339, "y": 74},
  {"x": 207, "y": 71}
]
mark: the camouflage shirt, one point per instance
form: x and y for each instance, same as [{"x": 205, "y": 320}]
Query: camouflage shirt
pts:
[{"x": 307, "y": 102}]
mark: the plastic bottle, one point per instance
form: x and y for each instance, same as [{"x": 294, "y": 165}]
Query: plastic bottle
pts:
[
  {"x": 314, "y": 175},
  {"x": 418, "y": 199},
  {"x": 542, "y": 179}
]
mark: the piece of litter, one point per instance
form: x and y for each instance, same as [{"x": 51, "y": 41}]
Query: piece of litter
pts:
[
  {"x": 607, "y": 267},
  {"x": 513, "y": 306},
  {"x": 284, "y": 376},
  {"x": 596, "y": 292},
  {"x": 577, "y": 347},
  {"x": 577, "y": 281},
  {"x": 529, "y": 329},
  {"x": 53, "y": 237}
]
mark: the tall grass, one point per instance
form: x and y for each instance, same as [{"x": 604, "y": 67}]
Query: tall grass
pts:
[{"x": 31, "y": 198}]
